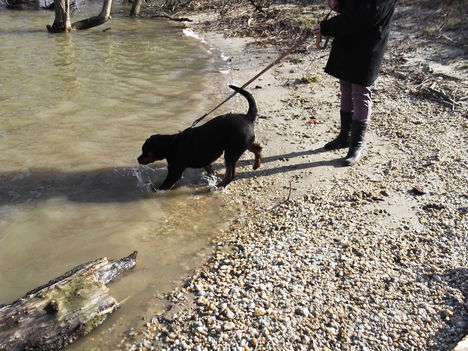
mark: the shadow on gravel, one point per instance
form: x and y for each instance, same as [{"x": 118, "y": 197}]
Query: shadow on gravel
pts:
[
  {"x": 457, "y": 325},
  {"x": 261, "y": 172},
  {"x": 264, "y": 171}
]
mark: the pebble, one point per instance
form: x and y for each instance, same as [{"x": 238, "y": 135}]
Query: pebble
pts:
[{"x": 229, "y": 326}]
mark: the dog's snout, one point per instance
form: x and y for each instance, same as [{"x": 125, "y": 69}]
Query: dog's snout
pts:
[{"x": 141, "y": 160}]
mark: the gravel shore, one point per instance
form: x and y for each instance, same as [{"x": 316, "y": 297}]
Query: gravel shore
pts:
[{"x": 322, "y": 257}]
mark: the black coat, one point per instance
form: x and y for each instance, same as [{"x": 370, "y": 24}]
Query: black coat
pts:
[{"x": 360, "y": 33}]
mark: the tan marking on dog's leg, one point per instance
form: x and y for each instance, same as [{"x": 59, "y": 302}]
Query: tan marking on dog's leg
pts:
[{"x": 257, "y": 151}]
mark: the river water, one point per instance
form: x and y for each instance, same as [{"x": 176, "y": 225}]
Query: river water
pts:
[{"x": 75, "y": 110}]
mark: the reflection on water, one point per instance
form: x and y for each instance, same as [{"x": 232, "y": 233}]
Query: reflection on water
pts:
[{"x": 76, "y": 109}]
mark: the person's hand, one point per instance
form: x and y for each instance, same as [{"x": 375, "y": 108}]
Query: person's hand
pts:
[{"x": 334, "y": 5}]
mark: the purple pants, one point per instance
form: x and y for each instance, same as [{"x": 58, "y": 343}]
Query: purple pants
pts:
[{"x": 357, "y": 99}]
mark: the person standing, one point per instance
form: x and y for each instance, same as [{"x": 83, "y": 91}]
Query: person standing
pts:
[{"x": 360, "y": 34}]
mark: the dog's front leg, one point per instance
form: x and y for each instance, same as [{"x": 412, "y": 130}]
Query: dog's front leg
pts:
[
  {"x": 209, "y": 169},
  {"x": 173, "y": 175},
  {"x": 230, "y": 173}
]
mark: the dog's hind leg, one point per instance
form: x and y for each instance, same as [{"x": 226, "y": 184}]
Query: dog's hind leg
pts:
[{"x": 257, "y": 151}]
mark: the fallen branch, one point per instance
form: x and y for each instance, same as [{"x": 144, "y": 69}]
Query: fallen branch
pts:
[
  {"x": 176, "y": 19},
  {"x": 430, "y": 90},
  {"x": 57, "y": 313},
  {"x": 90, "y": 22},
  {"x": 285, "y": 201},
  {"x": 95, "y": 21}
]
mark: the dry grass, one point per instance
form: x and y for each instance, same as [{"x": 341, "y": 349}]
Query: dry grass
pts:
[
  {"x": 277, "y": 23},
  {"x": 282, "y": 22},
  {"x": 439, "y": 16}
]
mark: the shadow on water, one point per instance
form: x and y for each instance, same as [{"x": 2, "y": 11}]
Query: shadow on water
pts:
[
  {"x": 106, "y": 185},
  {"x": 126, "y": 184}
]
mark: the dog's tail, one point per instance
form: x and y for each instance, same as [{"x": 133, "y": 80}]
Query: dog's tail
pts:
[{"x": 252, "y": 113}]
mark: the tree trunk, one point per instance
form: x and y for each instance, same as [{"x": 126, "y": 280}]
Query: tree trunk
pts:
[
  {"x": 62, "y": 17},
  {"x": 57, "y": 313},
  {"x": 135, "y": 11}
]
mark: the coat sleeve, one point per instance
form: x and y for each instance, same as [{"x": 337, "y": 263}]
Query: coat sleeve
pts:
[{"x": 356, "y": 16}]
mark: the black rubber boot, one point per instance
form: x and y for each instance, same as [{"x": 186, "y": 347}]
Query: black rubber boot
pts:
[
  {"x": 356, "y": 142},
  {"x": 342, "y": 140}
]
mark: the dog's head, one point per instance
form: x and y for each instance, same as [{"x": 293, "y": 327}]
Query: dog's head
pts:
[{"x": 154, "y": 149}]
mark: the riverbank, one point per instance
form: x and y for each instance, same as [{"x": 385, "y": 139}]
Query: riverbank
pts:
[{"x": 322, "y": 257}]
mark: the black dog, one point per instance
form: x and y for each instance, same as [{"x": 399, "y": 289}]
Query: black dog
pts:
[{"x": 199, "y": 147}]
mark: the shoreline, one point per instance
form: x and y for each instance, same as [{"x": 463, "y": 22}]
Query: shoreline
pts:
[{"x": 321, "y": 256}]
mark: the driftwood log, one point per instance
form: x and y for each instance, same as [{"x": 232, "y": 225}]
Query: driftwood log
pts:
[{"x": 57, "y": 313}]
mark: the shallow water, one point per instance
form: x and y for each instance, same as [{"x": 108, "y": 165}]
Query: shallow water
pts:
[{"x": 75, "y": 110}]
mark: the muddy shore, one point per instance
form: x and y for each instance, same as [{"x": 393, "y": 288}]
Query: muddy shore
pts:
[{"x": 323, "y": 257}]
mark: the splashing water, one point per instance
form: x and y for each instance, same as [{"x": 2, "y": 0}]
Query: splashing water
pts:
[{"x": 144, "y": 175}]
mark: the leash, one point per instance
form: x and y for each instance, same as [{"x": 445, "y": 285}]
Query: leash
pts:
[{"x": 299, "y": 43}]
